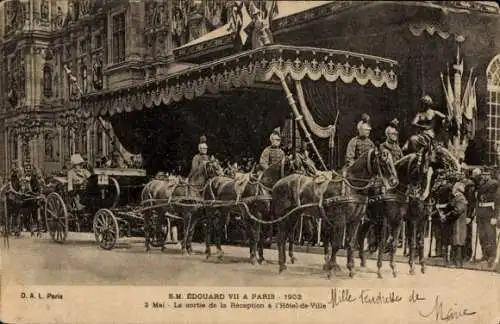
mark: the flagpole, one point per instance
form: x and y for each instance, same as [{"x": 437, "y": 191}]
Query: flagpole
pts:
[{"x": 98, "y": 117}]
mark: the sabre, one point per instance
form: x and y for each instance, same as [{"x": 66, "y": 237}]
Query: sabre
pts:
[{"x": 74, "y": 81}]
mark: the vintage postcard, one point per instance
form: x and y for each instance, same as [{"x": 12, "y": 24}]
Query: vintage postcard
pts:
[{"x": 216, "y": 161}]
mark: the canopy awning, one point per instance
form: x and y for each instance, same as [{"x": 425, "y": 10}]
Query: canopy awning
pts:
[{"x": 246, "y": 69}]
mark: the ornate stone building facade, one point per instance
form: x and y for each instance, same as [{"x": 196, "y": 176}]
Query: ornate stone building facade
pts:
[{"x": 104, "y": 44}]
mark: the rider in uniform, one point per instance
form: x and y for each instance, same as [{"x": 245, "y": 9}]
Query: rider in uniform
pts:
[
  {"x": 391, "y": 143},
  {"x": 361, "y": 143},
  {"x": 201, "y": 157},
  {"x": 77, "y": 176},
  {"x": 273, "y": 153}
]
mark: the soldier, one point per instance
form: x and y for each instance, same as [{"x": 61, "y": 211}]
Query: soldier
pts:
[
  {"x": 77, "y": 176},
  {"x": 391, "y": 143},
  {"x": 273, "y": 153},
  {"x": 201, "y": 157},
  {"x": 457, "y": 216},
  {"x": 488, "y": 198},
  {"x": 361, "y": 143}
]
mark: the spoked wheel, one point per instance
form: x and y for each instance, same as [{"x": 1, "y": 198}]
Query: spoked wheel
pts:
[
  {"x": 156, "y": 233},
  {"x": 56, "y": 217},
  {"x": 106, "y": 229}
]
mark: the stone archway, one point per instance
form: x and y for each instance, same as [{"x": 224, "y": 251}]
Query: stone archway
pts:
[{"x": 493, "y": 102}]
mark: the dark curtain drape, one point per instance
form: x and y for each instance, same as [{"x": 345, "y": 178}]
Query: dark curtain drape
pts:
[
  {"x": 352, "y": 100},
  {"x": 236, "y": 126}
]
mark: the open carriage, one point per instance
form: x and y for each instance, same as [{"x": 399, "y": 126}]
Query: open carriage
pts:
[{"x": 105, "y": 206}]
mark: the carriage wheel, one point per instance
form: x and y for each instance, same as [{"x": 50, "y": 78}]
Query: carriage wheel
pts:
[
  {"x": 106, "y": 229},
  {"x": 158, "y": 232},
  {"x": 56, "y": 217}
]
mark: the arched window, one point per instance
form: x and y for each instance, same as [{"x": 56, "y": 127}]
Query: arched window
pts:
[{"x": 493, "y": 101}]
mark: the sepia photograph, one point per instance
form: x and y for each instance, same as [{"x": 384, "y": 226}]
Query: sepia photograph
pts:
[{"x": 219, "y": 161}]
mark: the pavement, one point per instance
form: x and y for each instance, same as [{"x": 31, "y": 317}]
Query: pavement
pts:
[{"x": 79, "y": 261}]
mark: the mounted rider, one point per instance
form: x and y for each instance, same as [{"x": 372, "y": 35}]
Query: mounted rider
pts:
[
  {"x": 273, "y": 153},
  {"x": 392, "y": 143},
  {"x": 361, "y": 143},
  {"x": 200, "y": 157},
  {"x": 77, "y": 176},
  {"x": 428, "y": 121}
]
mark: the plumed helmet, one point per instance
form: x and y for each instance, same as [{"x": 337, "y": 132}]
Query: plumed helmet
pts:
[
  {"x": 203, "y": 143},
  {"x": 275, "y": 134},
  {"x": 365, "y": 118},
  {"x": 459, "y": 186},
  {"x": 76, "y": 159},
  {"x": 426, "y": 101},
  {"x": 476, "y": 172},
  {"x": 363, "y": 126},
  {"x": 394, "y": 123}
]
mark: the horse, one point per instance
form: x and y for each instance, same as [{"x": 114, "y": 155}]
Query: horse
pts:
[
  {"x": 388, "y": 211},
  {"x": 24, "y": 202},
  {"x": 249, "y": 195},
  {"x": 339, "y": 199},
  {"x": 176, "y": 196},
  {"x": 420, "y": 200}
]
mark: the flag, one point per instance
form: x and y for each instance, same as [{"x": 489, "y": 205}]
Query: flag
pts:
[
  {"x": 70, "y": 74},
  {"x": 239, "y": 21},
  {"x": 451, "y": 98},
  {"x": 272, "y": 10},
  {"x": 447, "y": 96}
]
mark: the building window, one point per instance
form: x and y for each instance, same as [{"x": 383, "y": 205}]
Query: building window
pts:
[
  {"x": 493, "y": 101},
  {"x": 119, "y": 38}
]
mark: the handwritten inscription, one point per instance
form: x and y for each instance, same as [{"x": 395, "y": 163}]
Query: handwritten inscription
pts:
[
  {"x": 440, "y": 312},
  {"x": 366, "y": 296}
]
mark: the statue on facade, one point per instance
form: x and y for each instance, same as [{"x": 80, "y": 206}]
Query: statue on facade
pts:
[
  {"x": 47, "y": 81},
  {"x": 84, "y": 7},
  {"x": 97, "y": 77},
  {"x": 179, "y": 27},
  {"x": 58, "y": 20},
  {"x": 44, "y": 11}
]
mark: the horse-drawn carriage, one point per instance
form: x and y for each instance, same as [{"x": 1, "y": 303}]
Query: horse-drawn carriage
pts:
[{"x": 106, "y": 204}]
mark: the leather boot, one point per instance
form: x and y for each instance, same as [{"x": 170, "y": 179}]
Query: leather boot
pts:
[{"x": 459, "y": 257}]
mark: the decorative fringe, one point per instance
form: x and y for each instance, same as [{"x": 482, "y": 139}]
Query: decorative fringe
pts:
[{"x": 320, "y": 131}]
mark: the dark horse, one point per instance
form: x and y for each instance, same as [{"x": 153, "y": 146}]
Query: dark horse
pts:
[
  {"x": 249, "y": 195},
  {"x": 339, "y": 199},
  {"x": 24, "y": 203},
  {"x": 420, "y": 200},
  {"x": 388, "y": 210},
  {"x": 178, "y": 197}
]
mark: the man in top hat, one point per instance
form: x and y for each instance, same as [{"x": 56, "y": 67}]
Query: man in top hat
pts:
[
  {"x": 392, "y": 143},
  {"x": 200, "y": 157},
  {"x": 360, "y": 143},
  {"x": 273, "y": 153},
  {"x": 77, "y": 176}
]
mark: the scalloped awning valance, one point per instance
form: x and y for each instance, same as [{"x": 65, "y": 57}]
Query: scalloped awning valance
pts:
[{"x": 243, "y": 70}]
